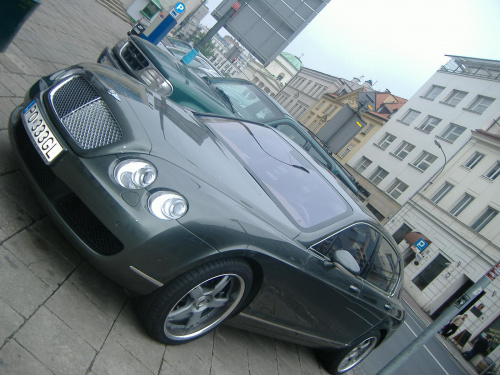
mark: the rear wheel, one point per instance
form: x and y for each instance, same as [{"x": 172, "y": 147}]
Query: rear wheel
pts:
[
  {"x": 344, "y": 360},
  {"x": 196, "y": 302}
]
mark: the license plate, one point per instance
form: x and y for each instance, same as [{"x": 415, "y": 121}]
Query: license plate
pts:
[{"x": 40, "y": 134}]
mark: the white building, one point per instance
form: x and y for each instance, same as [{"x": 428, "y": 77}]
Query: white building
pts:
[
  {"x": 458, "y": 213},
  {"x": 461, "y": 96}
]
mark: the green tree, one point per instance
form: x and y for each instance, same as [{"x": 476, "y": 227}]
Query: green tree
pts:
[{"x": 208, "y": 48}]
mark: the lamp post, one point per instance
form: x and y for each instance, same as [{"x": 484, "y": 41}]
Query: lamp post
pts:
[{"x": 441, "y": 169}]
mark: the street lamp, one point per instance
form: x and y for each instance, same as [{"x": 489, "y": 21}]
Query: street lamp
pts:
[{"x": 441, "y": 169}]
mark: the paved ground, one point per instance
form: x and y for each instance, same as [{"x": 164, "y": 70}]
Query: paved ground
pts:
[{"x": 57, "y": 314}]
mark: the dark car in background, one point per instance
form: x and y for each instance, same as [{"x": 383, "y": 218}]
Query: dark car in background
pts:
[
  {"x": 209, "y": 94},
  {"x": 206, "y": 219}
]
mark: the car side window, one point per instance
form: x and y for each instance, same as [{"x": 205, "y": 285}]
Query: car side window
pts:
[
  {"x": 377, "y": 259},
  {"x": 359, "y": 240},
  {"x": 384, "y": 270},
  {"x": 293, "y": 134}
]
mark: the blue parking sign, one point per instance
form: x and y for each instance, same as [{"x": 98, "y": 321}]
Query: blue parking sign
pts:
[
  {"x": 179, "y": 7},
  {"x": 420, "y": 244}
]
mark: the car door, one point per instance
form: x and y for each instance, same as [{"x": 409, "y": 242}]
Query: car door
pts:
[
  {"x": 339, "y": 315},
  {"x": 382, "y": 276}
]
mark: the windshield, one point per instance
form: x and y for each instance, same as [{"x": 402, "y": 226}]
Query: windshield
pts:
[
  {"x": 198, "y": 65},
  {"x": 282, "y": 171},
  {"x": 247, "y": 100}
]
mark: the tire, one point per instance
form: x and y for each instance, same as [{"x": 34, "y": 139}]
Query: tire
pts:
[
  {"x": 196, "y": 302},
  {"x": 344, "y": 360}
]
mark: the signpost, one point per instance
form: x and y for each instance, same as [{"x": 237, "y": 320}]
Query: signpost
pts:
[{"x": 162, "y": 24}]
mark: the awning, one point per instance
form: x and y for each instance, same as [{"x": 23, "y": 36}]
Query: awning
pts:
[
  {"x": 413, "y": 237},
  {"x": 157, "y": 4}
]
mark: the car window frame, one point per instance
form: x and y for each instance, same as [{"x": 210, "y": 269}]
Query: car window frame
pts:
[{"x": 362, "y": 276}]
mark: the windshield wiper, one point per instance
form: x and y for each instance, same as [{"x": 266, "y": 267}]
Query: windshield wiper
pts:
[{"x": 226, "y": 98}]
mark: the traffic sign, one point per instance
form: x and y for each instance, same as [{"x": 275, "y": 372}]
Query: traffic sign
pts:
[
  {"x": 179, "y": 7},
  {"x": 420, "y": 244}
]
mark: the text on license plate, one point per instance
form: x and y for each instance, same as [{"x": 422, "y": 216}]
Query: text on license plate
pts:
[{"x": 40, "y": 134}]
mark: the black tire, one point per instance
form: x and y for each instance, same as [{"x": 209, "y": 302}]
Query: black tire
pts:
[
  {"x": 341, "y": 361},
  {"x": 196, "y": 302}
]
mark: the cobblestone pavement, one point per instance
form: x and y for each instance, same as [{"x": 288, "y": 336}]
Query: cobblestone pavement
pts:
[{"x": 58, "y": 315}]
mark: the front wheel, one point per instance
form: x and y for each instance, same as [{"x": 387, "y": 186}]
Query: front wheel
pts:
[
  {"x": 344, "y": 360},
  {"x": 196, "y": 302}
]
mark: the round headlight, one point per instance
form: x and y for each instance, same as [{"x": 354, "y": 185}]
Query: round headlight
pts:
[
  {"x": 167, "y": 205},
  {"x": 135, "y": 174}
]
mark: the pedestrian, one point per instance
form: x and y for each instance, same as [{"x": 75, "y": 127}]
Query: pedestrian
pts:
[
  {"x": 479, "y": 347},
  {"x": 453, "y": 325}
]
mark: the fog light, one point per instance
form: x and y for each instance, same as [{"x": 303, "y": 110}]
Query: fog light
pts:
[{"x": 167, "y": 205}]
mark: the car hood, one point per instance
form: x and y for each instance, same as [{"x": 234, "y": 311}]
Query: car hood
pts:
[{"x": 202, "y": 168}]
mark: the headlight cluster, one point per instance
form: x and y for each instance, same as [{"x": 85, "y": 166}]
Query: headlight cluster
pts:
[
  {"x": 139, "y": 174},
  {"x": 157, "y": 82}
]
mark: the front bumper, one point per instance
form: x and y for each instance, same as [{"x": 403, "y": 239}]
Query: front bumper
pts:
[{"x": 107, "y": 224}]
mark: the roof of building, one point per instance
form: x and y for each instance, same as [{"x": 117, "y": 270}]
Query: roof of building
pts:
[
  {"x": 386, "y": 104},
  {"x": 292, "y": 59}
]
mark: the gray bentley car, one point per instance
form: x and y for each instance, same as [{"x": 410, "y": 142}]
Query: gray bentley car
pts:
[{"x": 206, "y": 219}]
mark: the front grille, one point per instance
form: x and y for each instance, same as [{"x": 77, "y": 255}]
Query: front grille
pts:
[
  {"x": 133, "y": 57},
  {"x": 88, "y": 227},
  {"x": 84, "y": 114},
  {"x": 78, "y": 216}
]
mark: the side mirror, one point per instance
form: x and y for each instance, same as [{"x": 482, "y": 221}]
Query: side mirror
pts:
[{"x": 346, "y": 260}]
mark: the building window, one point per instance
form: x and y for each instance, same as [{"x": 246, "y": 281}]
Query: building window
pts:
[
  {"x": 400, "y": 234},
  {"x": 321, "y": 104},
  {"x": 397, "y": 188},
  {"x": 403, "y": 150},
  {"x": 461, "y": 204},
  {"x": 346, "y": 151},
  {"x": 280, "y": 77},
  {"x": 445, "y": 189},
  {"x": 493, "y": 172},
  {"x": 455, "y": 97},
  {"x": 429, "y": 124},
  {"x": 367, "y": 129},
  {"x": 378, "y": 175},
  {"x": 474, "y": 160},
  {"x": 433, "y": 92},
  {"x": 452, "y": 132},
  {"x": 483, "y": 220},
  {"x": 424, "y": 160},
  {"x": 480, "y": 104},
  {"x": 327, "y": 108},
  {"x": 362, "y": 164},
  {"x": 150, "y": 10},
  {"x": 410, "y": 116},
  {"x": 385, "y": 141},
  {"x": 430, "y": 272}
]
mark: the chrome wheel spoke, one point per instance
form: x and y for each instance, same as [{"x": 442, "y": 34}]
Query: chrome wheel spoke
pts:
[
  {"x": 218, "y": 302},
  {"x": 195, "y": 318},
  {"x": 181, "y": 313},
  {"x": 196, "y": 293},
  {"x": 220, "y": 285}
]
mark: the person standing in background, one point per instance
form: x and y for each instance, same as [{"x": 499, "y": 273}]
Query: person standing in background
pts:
[{"x": 453, "y": 325}]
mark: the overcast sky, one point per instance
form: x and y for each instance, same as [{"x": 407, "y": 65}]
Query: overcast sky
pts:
[{"x": 398, "y": 44}]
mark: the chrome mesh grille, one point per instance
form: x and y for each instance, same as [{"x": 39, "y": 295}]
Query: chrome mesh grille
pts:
[
  {"x": 134, "y": 57},
  {"x": 84, "y": 114}
]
